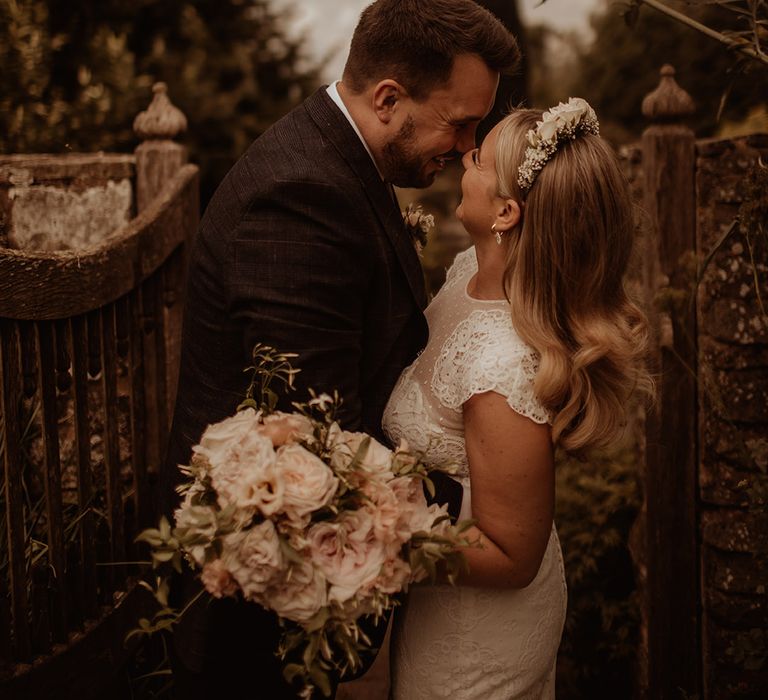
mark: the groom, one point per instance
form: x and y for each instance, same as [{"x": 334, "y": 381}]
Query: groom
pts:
[{"x": 303, "y": 248}]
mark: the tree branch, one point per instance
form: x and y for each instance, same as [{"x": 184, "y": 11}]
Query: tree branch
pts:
[{"x": 741, "y": 46}]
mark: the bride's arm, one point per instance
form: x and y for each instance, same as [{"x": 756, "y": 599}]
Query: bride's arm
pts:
[{"x": 513, "y": 492}]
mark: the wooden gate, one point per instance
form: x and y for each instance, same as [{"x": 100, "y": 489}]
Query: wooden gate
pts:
[{"x": 89, "y": 351}]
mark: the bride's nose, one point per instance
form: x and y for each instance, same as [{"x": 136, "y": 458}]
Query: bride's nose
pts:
[{"x": 466, "y": 159}]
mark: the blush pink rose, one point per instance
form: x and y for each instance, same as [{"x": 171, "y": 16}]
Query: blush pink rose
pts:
[
  {"x": 217, "y": 579},
  {"x": 300, "y": 595},
  {"x": 254, "y": 558},
  {"x": 285, "y": 428},
  {"x": 347, "y": 552},
  {"x": 309, "y": 483}
]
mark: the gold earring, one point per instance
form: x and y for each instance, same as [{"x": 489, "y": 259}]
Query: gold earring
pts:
[{"x": 497, "y": 234}]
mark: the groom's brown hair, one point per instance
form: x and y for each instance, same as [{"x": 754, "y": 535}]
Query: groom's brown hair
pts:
[{"x": 416, "y": 42}]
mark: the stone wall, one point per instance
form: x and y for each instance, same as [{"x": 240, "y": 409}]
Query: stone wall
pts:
[
  {"x": 68, "y": 202},
  {"x": 733, "y": 425},
  {"x": 732, "y": 339}
]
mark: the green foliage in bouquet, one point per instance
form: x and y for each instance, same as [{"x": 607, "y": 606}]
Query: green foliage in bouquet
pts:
[{"x": 322, "y": 526}]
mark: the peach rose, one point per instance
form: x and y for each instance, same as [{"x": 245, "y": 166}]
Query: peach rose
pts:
[
  {"x": 309, "y": 483},
  {"x": 285, "y": 428}
]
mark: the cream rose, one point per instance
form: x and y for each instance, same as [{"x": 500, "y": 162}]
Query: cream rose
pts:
[
  {"x": 309, "y": 483},
  {"x": 254, "y": 557},
  {"x": 300, "y": 596},
  {"x": 243, "y": 465},
  {"x": 219, "y": 437},
  {"x": 376, "y": 459}
]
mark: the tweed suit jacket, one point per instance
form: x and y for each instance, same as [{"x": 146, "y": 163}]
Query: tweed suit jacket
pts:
[{"x": 302, "y": 248}]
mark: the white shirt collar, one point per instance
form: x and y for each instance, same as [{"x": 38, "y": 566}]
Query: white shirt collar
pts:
[{"x": 333, "y": 93}]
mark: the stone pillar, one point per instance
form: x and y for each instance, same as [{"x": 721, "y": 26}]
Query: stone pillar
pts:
[
  {"x": 672, "y": 588},
  {"x": 158, "y": 158}
]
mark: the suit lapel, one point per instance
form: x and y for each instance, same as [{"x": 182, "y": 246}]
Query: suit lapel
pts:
[{"x": 340, "y": 133}]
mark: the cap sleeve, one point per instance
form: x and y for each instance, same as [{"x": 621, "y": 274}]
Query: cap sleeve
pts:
[{"x": 485, "y": 353}]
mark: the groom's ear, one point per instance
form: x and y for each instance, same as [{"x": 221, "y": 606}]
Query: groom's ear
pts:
[{"x": 386, "y": 97}]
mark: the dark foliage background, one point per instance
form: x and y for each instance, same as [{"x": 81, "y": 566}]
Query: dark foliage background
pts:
[{"x": 76, "y": 73}]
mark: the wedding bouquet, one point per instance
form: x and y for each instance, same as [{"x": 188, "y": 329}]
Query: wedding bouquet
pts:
[{"x": 320, "y": 525}]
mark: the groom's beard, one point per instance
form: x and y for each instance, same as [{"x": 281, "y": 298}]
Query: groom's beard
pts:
[{"x": 401, "y": 163}]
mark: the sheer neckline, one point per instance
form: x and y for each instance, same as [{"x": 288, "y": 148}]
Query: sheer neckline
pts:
[{"x": 475, "y": 299}]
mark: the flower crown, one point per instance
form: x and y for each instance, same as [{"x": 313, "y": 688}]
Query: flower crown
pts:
[{"x": 561, "y": 123}]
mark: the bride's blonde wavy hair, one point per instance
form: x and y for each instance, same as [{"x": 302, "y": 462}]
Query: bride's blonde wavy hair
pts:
[{"x": 564, "y": 279}]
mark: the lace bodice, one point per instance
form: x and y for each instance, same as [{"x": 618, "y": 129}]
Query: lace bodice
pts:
[{"x": 473, "y": 348}]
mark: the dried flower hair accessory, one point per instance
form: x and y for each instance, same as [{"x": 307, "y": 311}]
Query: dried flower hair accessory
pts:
[{"x": 562, "y": 123}]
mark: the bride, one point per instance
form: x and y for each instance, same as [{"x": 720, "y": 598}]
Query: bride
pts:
[{"x": 533, "y": 344}]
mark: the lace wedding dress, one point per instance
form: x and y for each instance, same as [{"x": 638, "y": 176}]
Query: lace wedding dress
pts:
[{"x": 461, "y": 642}]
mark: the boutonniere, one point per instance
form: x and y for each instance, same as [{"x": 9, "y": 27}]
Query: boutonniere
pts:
[{"x": 418, "y": 224}]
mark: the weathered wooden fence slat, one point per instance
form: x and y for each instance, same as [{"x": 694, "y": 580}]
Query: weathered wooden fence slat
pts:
[
  {"x": 28, "y": 358},
  {"x": 42, "y": 606},
  {"x": 85, "y": 494},
  {"x": 94, "y": 343},
  {"x": 63, "y": 361},
  {"x": 138, "y": 411},
  {"x": 12, "y": 390},
  {"x": 56, "y": 556},
  {"x": 153, "y": 388},
  {"x": 115, "y": 515},
  {"x": 6, "y": 649},
  {"x": 161, "y": 368}
]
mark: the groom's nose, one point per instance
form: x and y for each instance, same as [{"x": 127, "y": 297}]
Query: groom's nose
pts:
[{"x": 466, "y": 140}]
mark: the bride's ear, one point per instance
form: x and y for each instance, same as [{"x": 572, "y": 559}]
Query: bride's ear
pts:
[
  {"x": 508, "y": 215},
  {"x": 386, "y": 97}
]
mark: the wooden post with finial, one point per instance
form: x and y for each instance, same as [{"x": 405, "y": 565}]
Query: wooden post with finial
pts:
[
  {"x": 158, "y": 157},
  {"x": 671, "y": 492}
]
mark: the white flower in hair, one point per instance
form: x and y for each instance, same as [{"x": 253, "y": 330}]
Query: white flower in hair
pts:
[{"x": 561, "y": 123}]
